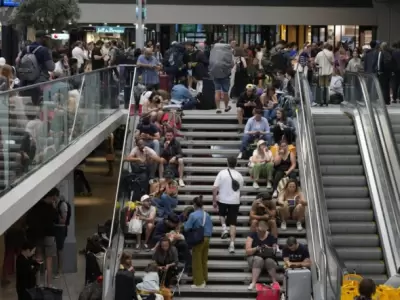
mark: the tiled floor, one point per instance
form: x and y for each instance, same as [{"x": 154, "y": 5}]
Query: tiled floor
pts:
[{"x": 90, "y": 211}]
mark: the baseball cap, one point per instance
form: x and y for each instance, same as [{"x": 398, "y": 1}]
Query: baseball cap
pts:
[
  {"x": 250, "y": 86},
  {"x": 260, "y": 142},
  {"x": 41, "y": 33},
  {"x": 144, "y": 198},
  {"x": 2, "y": 61}
]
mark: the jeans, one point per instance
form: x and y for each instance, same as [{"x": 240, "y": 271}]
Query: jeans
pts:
[
  {"x": 247, "y": 139},
  {"x": 270, "y": 114},
  {"x": 165, "y": 205},
  {"x": 154, "y": 144}
]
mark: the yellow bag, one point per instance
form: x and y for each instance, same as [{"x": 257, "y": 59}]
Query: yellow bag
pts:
[
  {"x": 349, "y": 291},
  {"x": 351, "y": 279},
  {"x": 275, "y": 148},
  {"x": 384, "y": 292}
]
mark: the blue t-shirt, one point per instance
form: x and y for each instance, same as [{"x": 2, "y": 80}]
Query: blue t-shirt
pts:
[
  {"x": 269, "y": 241},
  {"x": 298, "y": 255},
  {"x": 149, "y": 129}
]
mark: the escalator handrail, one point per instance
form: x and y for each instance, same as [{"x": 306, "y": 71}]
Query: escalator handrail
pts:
[
  {"x": 322, "y": 211},
  {"x": 383, "y": 177}
]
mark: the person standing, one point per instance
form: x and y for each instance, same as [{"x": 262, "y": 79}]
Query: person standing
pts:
[
  {"x": 226, "y": 198},
  {"x": 384, "y": 69},
  {"x": 26, "y": 271},
  {"x": 325, "y": 61}
]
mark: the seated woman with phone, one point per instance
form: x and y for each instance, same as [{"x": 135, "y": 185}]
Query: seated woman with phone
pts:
[{"x": 291, "y": 204}]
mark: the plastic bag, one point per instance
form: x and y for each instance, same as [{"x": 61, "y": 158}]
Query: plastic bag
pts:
[{"x": 135, "y": 226}]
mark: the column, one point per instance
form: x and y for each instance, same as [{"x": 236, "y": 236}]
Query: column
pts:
[
  {"x": 388, "y": 16},
  {"x": 66, "y": 187},
  {"x": 140, "y": 17}
]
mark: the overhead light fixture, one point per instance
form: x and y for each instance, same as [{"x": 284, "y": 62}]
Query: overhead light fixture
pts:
[
  {"x": 105, "y": 23},
  {"x": 69, "y": 23},
  {"x": 90, "y": 25},
  {"x": 54, "y": 29},
  {"x": 117, "y": 25}
]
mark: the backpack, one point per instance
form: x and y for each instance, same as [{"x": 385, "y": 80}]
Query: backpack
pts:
[
  {"x": 389, "y": 63},
  {"x": 28, "y": 68},
  {"x": 239, "y": 65},
  {"x": 278, "y": 61},
  {"x": 68, "y": 218},
  {"x": 173, "y": 60},
  {"x": 120, "y": 56}
]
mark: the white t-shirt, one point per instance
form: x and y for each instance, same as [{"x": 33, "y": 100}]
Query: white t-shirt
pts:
[{"x": 224, "y": 183}]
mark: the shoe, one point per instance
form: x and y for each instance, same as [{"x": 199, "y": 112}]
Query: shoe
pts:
[
  {"x": 181, "y": 183},
  {"x": 255, "y": 185},
  {"x": 299, "y": 226},
  {"x": 228, "y": 108},
  {"x": 251, "y": 286},
  {"x": 269, "y": 186},
  {"x": 57, "y": 276},
  {"x": 146, "y": 247},
  {"x": 240, "y": 155},
  {"x": 201, "y": 286},
  {"x": 218, "y": 111},
  {"x": 283, "y": 226},
  {"x": 231, "y": 248},
  {"x": 137, "y": 247},
  {"x": 225, "y": 234},
  {"x": 275, "y": 194}
]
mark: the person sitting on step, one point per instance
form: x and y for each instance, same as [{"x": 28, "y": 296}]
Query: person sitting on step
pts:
[
  {"x": 172, "y": 156},
  {"x": 292, "y": 204},
  {"x": 166, "y": 258},
  {"x": 262, "y": 164},
  {"x": 260, "y": 250},
  {"x": 147, "y": 214},
  {"x": 247, "y": 102},
  {"x": 264, "y": 209},
  {"x": 295, "y": 255},
  {"x": 149, "y": 133},
  {"x": 257, "y": 128},
  {"x": 283, "y": 127},
  {"x": 168, "y": 189}
]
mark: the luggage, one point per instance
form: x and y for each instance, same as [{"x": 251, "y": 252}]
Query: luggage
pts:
[
  {"x": 207, "y": 97},
  {"x": 298, "y": 284},
  {"x": 43, "y": 293},
  {"x": 268, "y": 292},
  {"x": 92, "y": 291},
  {"x": 164, "y": 82}
]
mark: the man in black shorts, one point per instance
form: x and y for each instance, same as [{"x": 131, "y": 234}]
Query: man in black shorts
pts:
[{"x": 228, "y": 202}]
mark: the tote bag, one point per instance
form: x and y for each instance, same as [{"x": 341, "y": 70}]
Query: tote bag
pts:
[
  {"x": 135, "y": 226},
  {"x": 196, "y": 236}
]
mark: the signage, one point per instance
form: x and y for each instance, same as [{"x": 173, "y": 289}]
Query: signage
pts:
[
  {"x": 110, "y": 29},
  {"x": 11, "y": 3},
  {"x": 60, "y": 36}
]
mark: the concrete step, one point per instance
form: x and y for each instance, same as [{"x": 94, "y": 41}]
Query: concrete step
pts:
[
  {"x": 245, "y": 230},
  {"x": 202, "y": 116},
  {"x": 207, "y": 143},
  {"x": 208, "y": 151},
  {"x": 193, "y": 189},
  {"x": 207, "y": 127},
  {"x": 212, "y": 134},
  {"x": 215, "y": 170},
  {"x": 207, "y": 199},
  {"x": 212, "y": 161}
]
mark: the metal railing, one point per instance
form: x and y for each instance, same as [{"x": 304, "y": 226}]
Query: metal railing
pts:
[{"x": 329, "y": 268}]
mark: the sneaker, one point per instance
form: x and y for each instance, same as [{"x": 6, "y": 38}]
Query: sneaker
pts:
[
  {"x": 231, "y": 248},
  {"x": 275, "y": 194},
  {"x": 299, "y": 226},
  {"x": 283, "y": 226},
  {"x": 240, "y": 155},
  {"x": 228, "y": 108},
  {"x": 255, "y": 185},
  {"x": 218, "y": 111},
  {"x": 251, "y": 286},
  {"x": 201, "y": 286},
  {"x": 137, "y": 247},
  {"x": 57, "y": 276},
  {"x": 225, "y": 234},
  {"x": 146, "y": 247},
  {"x": 269, "y": 185},
  {"x": 181, "y": 182}
]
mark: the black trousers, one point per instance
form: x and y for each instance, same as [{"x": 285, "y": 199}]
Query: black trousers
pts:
[
  {"x": 279, "y": 133},
  {"x": 384, "y": 80},
  {"x": 396, "y": 85},
  {"x": 80, "y": 175},
  {"x": 279, "y": 174}
]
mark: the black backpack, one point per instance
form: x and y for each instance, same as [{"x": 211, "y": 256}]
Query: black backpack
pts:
[
  {"x": 68, "y": 210},
  {"x": 121, "y": 57},
  {"x": 279, "y": 61}
]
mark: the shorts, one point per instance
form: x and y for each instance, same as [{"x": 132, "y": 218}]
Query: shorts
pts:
[
  {"x": 222, "y": 84},
  {"x": 258, "y": 262},
  {"x": 46, "y": 247},
  {"x": 229, "y": 211},
  {"x": 60, "y": 236}
]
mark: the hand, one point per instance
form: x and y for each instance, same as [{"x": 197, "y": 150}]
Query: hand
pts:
[
  {"x": 172, "y": 160},
  {"x": 166, "y": 144},
  {"x": 287, "y": 173},
  {"x": 167, "y": 267},
  {"x": 215, "y": 205},
  {"x": 247, "y": 104}
]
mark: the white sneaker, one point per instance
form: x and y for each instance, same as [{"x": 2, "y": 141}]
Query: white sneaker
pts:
[
  {"x": 240, "y": 155},
  {"x": 299, "y": 226},
  {"x": 224, "y": 234},
  {"x": 255, "y": 185},
  {"x": 137, "y": 247},
  {"x": 181, "y": 182},
  {"x": 231, "y": 248},
  {"x": 283, "y": 226},
  {"x": 251, "y": 286},
  {"x": 275, "y": 194},
  {"x": 201, "y": 286},
  {"x": 269, "y": 185}
]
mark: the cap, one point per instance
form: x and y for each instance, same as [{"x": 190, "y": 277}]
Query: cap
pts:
[
  {"x": 260, "y": 142},
  {"x": 144, "y": 198},
  {"x": 249, "y": 86},
  {"x": 2, "y": 61},
  {"x": 41, "y": 33},
  {"x": 291, "y": 241}
]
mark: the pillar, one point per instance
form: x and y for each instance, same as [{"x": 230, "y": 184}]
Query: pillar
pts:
[{"x": 70, "y": 253}]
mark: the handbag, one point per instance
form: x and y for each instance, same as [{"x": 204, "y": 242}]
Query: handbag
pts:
[
  {"x": 282, "y": 183},
  {"x": 44, "y": 293},
  {"x": 268, "y": 292},
  {"x": 195, "y": 236},
  {"x": 235, "y": 183},
  {"x": 265, "y": 252},
  {"x": 135, "y": 226}
]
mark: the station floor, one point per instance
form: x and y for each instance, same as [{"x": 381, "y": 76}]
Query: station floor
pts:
[{"x": 90, "y": 211}]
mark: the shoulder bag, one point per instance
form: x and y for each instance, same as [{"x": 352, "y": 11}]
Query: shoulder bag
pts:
[
  {"x": 235, "y": 183},
  {"x": 195, "y": 236}
]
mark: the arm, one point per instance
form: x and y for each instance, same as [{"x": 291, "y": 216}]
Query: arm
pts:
[
  {"x": 277, "y": 159},
  {"x": 248, "y": 127},
  {"x": 174, "y": 258},
  {"x": 142, "y": 63},
  {"x": 302, "y": 200},
  {"x": 189, "y": 223},
  {"x": 306, "y": 263},
  {"x": 253, "y": 215},
  {"x": 132, "y": 156},
  {"x": 266, "y": 126},
  {"x": 216, "y": 188},
  {"x": 248, "y": 249},
  {"x": 281, "y": 200},
  {"x": 240, "y": 103},
  {"x": 151, "y": 217},
  {"x": 48, "y": 60},
  {"x": 293, "y": 163}
]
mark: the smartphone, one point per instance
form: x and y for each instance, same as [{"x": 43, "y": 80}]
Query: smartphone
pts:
[{"x": 292, "y": 202}]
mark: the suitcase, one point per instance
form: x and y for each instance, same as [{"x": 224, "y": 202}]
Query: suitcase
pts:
[
  {"x": 268, "y": 292},
  {"x": 164, "y": 82},
  {"x": 298, "y": 284},
  {"x": 207, "y": 97}
]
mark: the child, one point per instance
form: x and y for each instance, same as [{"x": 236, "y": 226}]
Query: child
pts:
[{"x": 151, "y": 280}]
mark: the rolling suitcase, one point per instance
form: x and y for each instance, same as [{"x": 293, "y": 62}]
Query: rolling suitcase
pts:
[
  {"x": 298, "y": 284},
  {"x": 164, "y": 82}
]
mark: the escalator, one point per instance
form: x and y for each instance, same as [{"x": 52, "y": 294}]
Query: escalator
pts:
[{"x": 351, "y": 214}]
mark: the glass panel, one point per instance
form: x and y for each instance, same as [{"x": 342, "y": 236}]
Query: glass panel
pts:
[
  {"x": 338, "y": 34},
  {"x": 322, "y": 33},
  {"x": 40, "y": 121}
]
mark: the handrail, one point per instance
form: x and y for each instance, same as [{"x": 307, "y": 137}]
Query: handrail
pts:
[
  {"x": 385, "y": 203},
  {"x": 118, "y": 205},
  {"x": 327, "y": 252}
]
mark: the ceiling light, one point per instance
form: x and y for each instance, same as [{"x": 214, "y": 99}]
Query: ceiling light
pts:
[{"x": 90, "y": 24}]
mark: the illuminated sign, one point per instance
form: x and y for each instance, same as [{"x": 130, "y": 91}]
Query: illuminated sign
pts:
[
  {"x": 110, "y": 29},
  {"x": 11, "y": 3},
  {"x": 60, "y": 36}
]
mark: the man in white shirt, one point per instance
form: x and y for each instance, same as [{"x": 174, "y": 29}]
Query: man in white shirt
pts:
[
  {"x": 80, "y": 56},
  {"x": 325, "y": 61},
  {"x": 227, "y": 187}
]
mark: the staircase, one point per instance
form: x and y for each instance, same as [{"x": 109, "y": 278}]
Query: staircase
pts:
[
  {"x": 209, "y": 139},
  {"x": 351, "y": 216}
]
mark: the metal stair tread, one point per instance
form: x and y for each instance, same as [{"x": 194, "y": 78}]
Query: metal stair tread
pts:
[
  {"x": 211, "y": 160},
  {"x": 208, "y": 151},
  {"x": 211, "y": 134},
  {"x": 207, "y": 169},
  {"x": 202, "y": 126},
  {"x": 208, "y": 143}
]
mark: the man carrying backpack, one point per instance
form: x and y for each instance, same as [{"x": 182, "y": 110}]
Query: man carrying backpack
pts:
[
  {"x": 34, "y": 64},
  {"x": 61, "y": 227}
]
